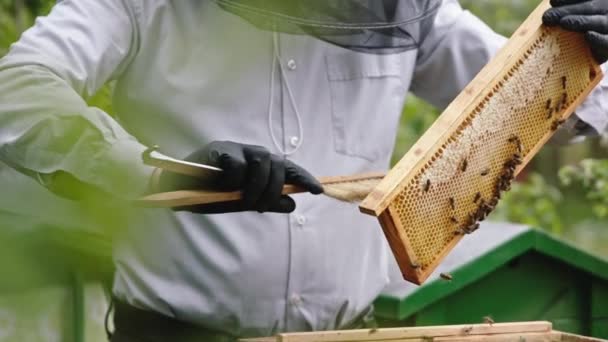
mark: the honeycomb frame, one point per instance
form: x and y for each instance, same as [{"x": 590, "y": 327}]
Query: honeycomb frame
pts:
[{"x": 454, "y": 175}]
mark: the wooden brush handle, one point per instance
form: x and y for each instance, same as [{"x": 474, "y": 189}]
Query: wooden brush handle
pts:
[{"x": 182, "y": 198}]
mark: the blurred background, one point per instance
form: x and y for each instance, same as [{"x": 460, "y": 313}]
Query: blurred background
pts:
[{"x": 563, "y": 191}]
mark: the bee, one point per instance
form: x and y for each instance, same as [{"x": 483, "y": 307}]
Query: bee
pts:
[
  {"x": 453, "y": 219},
  {"x": 459, "y": 231},
  {"x": 549, "y": 113},
  {"x": 517, "y": 159},
  {"x": 548, "y": 105},
  {"x": 477, "y": 197},
  {"x": 446, "y": 276},
  {"x": 373, "y": 330},
  {"x": 513, "y": 138},
  {"x": 414, "y": 265},
  {"x": 592, "y": 74},
  {"x": 502, "y": 180},
  {"x": 471, "y": 228},
  {"x": 463, "y": 166},
  {"x": 427, "y": 185},
  {"x": 488, "y": 320},
  {"x": 452, "y": 203},
  {"x": 467, "y": 330},
  {"x": 485, "y": 172},
  {"x": 481, "y": 214},
  {"x": 556, "y": 123},
  {"x": 564, "y": 79},
  {"x": 554, "y": 126},
  {"x": 565, "y": 98}
]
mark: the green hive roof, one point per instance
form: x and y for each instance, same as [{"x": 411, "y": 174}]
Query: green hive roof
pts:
[{"x": 477, "y": 255}]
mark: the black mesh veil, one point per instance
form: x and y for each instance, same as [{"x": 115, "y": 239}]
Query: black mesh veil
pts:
[{"x": 373, "y": 26}]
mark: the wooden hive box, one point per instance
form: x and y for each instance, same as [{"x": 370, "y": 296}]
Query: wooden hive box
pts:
[
  {"x": 500, "y": 332},
  {"x": 453, "y": 176}
]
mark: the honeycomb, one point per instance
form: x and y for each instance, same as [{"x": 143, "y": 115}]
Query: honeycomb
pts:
[{"x": 460, "y": 181}]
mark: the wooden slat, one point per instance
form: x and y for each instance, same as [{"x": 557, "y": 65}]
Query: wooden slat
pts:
[
  {"x": 400, "y": 250},
  {"x": 276, "y": 339},
  {"x": 567, "y": 337},
  {"x": 194, "y": 197},
  {"x": 404, "y": 340},
  {"x": 518, "y": 337},
  {"x": 417, "y": 332},
  {"x": 505, "y": 332}
]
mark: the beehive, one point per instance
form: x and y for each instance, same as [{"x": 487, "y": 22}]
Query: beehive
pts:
[
  {"x": 453, "y": 176},
  {"x": 499, "y": 332}
]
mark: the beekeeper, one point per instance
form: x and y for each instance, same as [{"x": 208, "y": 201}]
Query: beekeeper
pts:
[{"x": 272, "y": 91}]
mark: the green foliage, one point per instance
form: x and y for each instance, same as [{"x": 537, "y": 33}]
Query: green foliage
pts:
[
  {"x": 77, "y": 248},
  {"x": 592, "y": 175},
  {"x": 503, "y": 16},
  {"x": 13, "y": 20}
]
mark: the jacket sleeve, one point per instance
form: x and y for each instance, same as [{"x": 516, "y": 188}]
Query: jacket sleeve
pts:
[
  {"x": 46, "y": 127},
  {"x": 460, "y": 45}
]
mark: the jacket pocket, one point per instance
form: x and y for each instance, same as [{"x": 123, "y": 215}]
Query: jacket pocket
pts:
[{"x": 366, "y": 97}]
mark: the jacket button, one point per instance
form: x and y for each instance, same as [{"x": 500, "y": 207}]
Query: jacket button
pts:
[{"x": 301, "y": 219}]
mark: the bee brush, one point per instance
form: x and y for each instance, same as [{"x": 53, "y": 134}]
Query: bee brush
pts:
[{"x": 352, "y": 188}]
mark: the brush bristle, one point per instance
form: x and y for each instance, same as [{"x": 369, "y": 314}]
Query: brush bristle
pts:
[{"x": 351, "y": 191}]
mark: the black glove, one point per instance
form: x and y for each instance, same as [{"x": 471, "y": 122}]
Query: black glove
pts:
[
  {"x": 587, "y": 16},
  {"x": 252, "y": 169}
]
